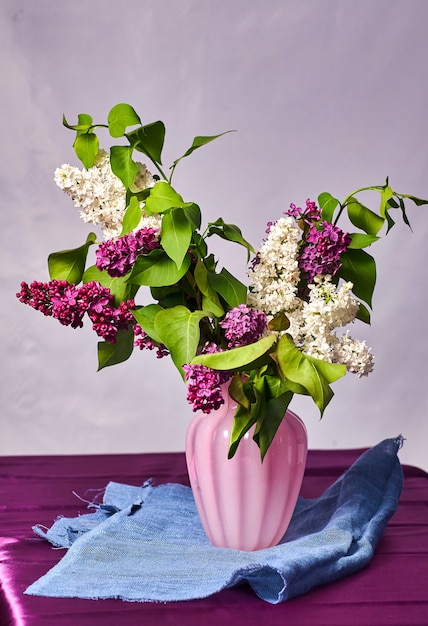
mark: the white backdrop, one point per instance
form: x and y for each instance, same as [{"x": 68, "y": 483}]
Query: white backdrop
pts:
[{"x": 326, "y": 95}]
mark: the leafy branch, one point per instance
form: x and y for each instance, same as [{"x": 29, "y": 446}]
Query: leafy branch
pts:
[{"x": 358, "y": 266}]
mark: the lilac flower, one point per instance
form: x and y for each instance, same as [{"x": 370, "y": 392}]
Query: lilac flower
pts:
[
  {"x": 117, "y": 256},
  {"x": 310, "y": 214},
  {"x": 243, "y": 325},
  {"x": 204, "y": 384},
  {"x": 68, "y": 304},
  {"x": 95, "y": 297},
  {"x": 254, "y": 262},
  {"x": 108, "y": 321},
  {"x": 36, "y": 296},
  {"x": 144, "y": 342},
  {"x": 57, "y": 298},
  {"x": 321, "y": 255}
]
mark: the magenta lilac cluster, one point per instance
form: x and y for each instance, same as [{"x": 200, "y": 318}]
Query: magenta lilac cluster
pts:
[
  {"x": 243, "y": 325},
  {"x": 117, "y": 256},
  {"x": 321, "y": 254},
  {"x": 144, "y": 342},
  {"x": 110, "y": 319},
  {"x": 309, "y": 214},
  {"x": 68, "y": 304},
  {"x": 204, "y": 384},
  {"x": 323, "y": 243}
]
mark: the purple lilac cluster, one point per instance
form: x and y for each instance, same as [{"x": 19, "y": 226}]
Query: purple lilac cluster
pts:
[
  {"x": 204, "y": 384},
  {"x": 110, "y": 319},
  {"x": 324, "y": 243},
  {"x": 57, "y": 298},
  {"x": 321, "y": 254},
  {"x": 117, "y": 256},
  {"x": 68, "y": 304},
  {"x": 144, "y": 342},
  {"x": 309, "y": 214},
  {"x": 243, "y": 325}
]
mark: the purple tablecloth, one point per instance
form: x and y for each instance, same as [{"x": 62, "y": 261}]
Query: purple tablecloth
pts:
[{"x": 392, "y": 590}]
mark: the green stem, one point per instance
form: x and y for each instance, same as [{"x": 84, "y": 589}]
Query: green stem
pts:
[
  {"x": 342, "y": 206},
  {"x": 98, "y": 126},
  {"x": 172, "y": 168},
  {"x": 159, "y": 169},
  {"x": 351, "y": 195}
]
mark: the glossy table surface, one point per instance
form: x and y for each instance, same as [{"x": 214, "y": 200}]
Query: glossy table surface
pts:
[{"x": 392, "y": 590}]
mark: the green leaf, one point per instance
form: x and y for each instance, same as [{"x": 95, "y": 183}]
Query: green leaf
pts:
[
  {"x": 237, "y": 392},
  {"x": 389, "y": 221},
  {"x": 276, "y": 386},
  {"x": 162, "y": 198},
  {"x": 86, "y": 148},
  {"x": 236, "y": 358},
  {"x": 114, "y": 353},
  {"x": 145, "y": 316},
  {"x": 417, "y": 201},
  {"x": 176, "y": 235},
  {"x": 200, "y": 249},
  {"x": 156, "y": 269},
  {"x": 118, "y": 287},
  {"x": 198, "y": 142},
  {"x": 403, "y": 210},
  {"x": 149, "y": 140},
  {"x": 363, "y": 218},
  {"x": 327, "y": 203},
  {"x": 230, "y": 288},
  {"x": 132, "y": 216},
  {"x": 296, "y": 388},
  {"x": 359, "y": 240},
  {"x": 299, "y": 368},
  {"x": 69, "y": 265},
  {"x": 279, "y": 322},
  {"x": 254, "y": 416},
  {"x": 386, "y": 195},
  {"x": 211, "y": 300},
  {"x": 363, "y": 314},
  {"x": 274, "y": 412},
  {"x": 84, "y": 123},
  {"x": 229, "y": 232},
  {"x": 120, "y": 117},
  {"x": 330, "y": 371},
  {"x": 178, "y": 329},
  {"x": 168, "y": 296},
  {"x": 359, "y": 268},
  {"x": 243, "y": 420},
  {"x": 193, "y": 214},
  {"x": 123, "y": 165}
]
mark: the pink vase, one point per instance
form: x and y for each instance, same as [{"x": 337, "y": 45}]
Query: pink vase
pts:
[{"x": 243, "y": 503}]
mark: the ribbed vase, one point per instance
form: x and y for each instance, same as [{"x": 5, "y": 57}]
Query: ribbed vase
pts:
[{"x": 244, "y": 503}]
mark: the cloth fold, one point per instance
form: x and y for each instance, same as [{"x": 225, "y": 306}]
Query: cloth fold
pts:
[{"x": 147, "y": 543}]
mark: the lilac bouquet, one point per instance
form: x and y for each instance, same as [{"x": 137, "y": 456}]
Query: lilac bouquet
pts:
[{"x": 269, "y": 340}]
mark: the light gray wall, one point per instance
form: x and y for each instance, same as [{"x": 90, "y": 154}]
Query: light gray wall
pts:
[{"x": 326, "y": 95}]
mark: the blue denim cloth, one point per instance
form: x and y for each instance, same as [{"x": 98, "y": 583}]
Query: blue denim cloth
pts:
[{"x": 147, "y": 543}]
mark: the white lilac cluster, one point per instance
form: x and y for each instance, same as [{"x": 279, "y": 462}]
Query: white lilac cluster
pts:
[
  {"x": 100, "y": 194},
  {"x": 275, "y": 271},
  {"x": 354, "y": 354},
  {"x": 329, "y": 308},
  {"x": 274, "y": 278}
]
